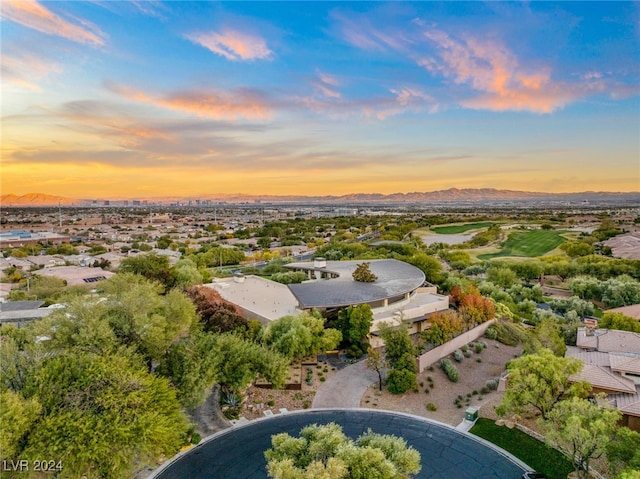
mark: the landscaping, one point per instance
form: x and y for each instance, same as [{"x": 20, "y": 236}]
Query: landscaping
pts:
[
  {"x": 536, "y": 454},
  {"x": 457, "y": 229},
  {"x": 528, "y": 244}
]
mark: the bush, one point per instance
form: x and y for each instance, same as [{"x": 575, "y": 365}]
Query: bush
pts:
[
  {"x": 464, "y": 349},
  {"x": 492, "y": 384},
  {"x": 479, "y": 347},
  {"x": 457, "y": 354},
  {"x": 431, "y": 407},
  {"x": 450, "y": 370},
  {"x": 491, "y": 332},
  {"x": 468, "y": 353},
  {"x": 354, "y": 351},
  {"x": 401, "y": 380},
  {"x": 306, "y": 404}
]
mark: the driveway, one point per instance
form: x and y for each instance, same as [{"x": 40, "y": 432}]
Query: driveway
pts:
[
  {"x": 238, "y": 452},
  {"x": 345, "y": 388}
]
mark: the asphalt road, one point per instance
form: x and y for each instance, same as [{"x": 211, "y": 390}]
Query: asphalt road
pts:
[{"x": 446, "y": 453}]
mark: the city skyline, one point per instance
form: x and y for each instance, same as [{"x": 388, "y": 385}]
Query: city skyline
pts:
[{"x": 149, "y": 98}]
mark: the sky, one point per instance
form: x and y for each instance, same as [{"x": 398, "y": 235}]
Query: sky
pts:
[{"x": 140, "y": 99}]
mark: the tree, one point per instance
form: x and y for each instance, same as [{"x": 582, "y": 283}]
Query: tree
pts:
[
  {"x": 363, "y": 274},
  {"x": 540, "y": 381},
  {"x": 397, "y": 342},
  {"x": 216, "y": 314},
  {"x": 619, "y": 321},
  {"x": 104, "y": 415},
  {"x": 356, "y": 321},
  {"x": 17, "y": 416},
  {"x": 324, "y": 451},
  {"x": 502, "y": 276},
  {"x": 185, "y": 274},
  {"x": 152, "y": 266},
  {"x": 301, "y": 335},
  {"x": 429, "y": 265},
  {"x": 377, "y": 361},
  {"x": 623, "y": 452},
  {"x": 582, "y": 428},
  {"x": 198, "y": 362},
  {"x": 547, "y": 335}
]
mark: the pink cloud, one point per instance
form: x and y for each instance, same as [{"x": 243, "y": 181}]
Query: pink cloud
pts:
[
  {"x": 33, "y": 15},
  {"x": 327, "y": 85},
  {"x": 489, "y": 67},
  {"x": 217, "y": 105},
  {"x": 24, "y": 69},
  {"x": 233, "y": 45}
]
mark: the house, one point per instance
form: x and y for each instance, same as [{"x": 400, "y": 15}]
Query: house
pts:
[
  {"x": 632, "y": 311},
  {"x": 76, "y": 275},
  {"x": 612, "y": 366}
]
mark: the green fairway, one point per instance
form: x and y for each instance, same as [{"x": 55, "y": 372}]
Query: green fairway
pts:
[
  {"x": 457, "y": 229},
  {"x": 534, "y": 453},
  {"x": 528, "y": 244}
]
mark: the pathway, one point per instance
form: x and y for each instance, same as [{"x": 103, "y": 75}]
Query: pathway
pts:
[{"x": 345, "y": 388}]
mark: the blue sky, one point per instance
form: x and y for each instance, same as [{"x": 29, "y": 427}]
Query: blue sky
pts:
[{"x": 150, "y": 98}]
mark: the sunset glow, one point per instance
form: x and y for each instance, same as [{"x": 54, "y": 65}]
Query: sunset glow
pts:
[{"x": 150, "y": 98}]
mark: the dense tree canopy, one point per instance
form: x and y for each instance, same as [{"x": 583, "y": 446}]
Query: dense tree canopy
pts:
[
  {"x": 582, "y": 428},
  {"x": 216, "y": 314},
  {"x": 540, "y": 381},
  {"x": 104, "y": 415},
  {"x": 301, "y": 335}
]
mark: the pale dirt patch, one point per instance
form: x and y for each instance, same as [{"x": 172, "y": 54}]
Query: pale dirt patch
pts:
[
  {"x": 473, "y": 377},
  {"x": 257, "y": 400}
]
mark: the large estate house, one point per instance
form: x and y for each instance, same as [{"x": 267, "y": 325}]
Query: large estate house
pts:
[
  {"x": 612, "y": 366},
  {"x": 399, "y": 293}
]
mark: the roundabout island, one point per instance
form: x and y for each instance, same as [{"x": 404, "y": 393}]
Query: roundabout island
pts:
[{"x": 446, "y": 453}]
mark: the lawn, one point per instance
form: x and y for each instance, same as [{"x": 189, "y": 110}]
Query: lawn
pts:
[
  {"x": 529, "y": 244},
  {"x": 457, "y": 229},
  {"x": 534, "y": 453}
]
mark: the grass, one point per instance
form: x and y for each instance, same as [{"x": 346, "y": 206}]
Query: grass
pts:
[
  {"x": 457, "y": 229},
  {"x": 529, "y": 244},
  {"x": 534, "y": 453}
]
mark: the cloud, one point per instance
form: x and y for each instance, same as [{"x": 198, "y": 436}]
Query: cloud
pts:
[
  {"x": 233, "y": 45},
  {"x": 23, "y": 69},
  {"x": 490, "y": 67},
  {"x": 33, "y": 15},
  {"x": 327, "y": 85},
  {"x": 241, "y": 103}
]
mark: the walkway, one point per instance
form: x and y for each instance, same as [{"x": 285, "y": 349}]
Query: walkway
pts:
[{"x": 345, "y": 388}]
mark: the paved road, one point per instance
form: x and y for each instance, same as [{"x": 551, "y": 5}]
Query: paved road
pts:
[
  {"x": 238, "y": 452},
  {"x": 345, "y": 388}
]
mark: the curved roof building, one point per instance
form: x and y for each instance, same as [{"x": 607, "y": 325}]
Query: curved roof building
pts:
[{"x": 334, "y": 286}]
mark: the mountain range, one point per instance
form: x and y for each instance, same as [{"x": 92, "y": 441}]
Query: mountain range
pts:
[{"x": 451, "y": 195}]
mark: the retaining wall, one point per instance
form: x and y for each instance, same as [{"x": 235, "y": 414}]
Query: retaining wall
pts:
[{"x": 430, "y": 357}]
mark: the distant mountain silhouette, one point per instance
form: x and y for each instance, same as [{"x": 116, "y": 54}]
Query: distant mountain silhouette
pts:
[{"x": 451, "y": 195}]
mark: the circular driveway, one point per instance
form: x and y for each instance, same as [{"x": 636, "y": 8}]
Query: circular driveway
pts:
[{"x": 238, "y": 452}]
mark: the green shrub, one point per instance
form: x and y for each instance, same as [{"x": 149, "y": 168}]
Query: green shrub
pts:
[
  {"x": 306, "y": 404},
  {"x": 354, "y": 351},
  {"x": 450, "y": 370},
  {"x": 468, "y": 353},
  {"x": 479, "y": 347},
  {"x": 458, "y": 355},
  {"x": 431, "y": 407},
  {"x": 401, "y": 380},
  {"x": 491, "y": 332},
  {"x": 492, "y": 384}
]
